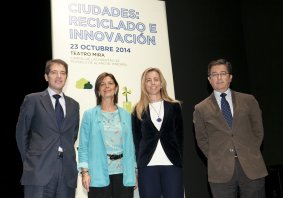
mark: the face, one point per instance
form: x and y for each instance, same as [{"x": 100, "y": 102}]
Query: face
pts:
[
  {"x": 219, "y": 78},
  {"x": 57, "y": 77},
  {"x": 153, "y": 83},
  {"x": 107, "y": 88}
]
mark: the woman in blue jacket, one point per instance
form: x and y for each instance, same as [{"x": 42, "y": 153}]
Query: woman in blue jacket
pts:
[{"x": 106, "y": 151}]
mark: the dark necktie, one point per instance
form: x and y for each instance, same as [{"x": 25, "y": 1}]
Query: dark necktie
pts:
[
  {"x": 225, "y": 108},
  {"x": 58, "y": 110}
]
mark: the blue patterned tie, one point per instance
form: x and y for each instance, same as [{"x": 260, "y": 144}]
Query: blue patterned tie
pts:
[
  {"x": 58, "y": 110},
  {"x": 225, "y": 108}
]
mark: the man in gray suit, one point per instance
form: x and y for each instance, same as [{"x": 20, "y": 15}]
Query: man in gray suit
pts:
[
  {"x": 45, "y": 144},
  {"x": 235, "y": 163}
]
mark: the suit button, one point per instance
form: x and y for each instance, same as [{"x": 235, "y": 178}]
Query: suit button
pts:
[{"x": 231, "y": 150}]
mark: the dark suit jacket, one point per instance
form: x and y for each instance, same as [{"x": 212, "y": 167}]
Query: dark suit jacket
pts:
[
  {"x": 38, "y": 138},
  {"x": 146, "y": 135},
  {"x": 217, "y": 140}
]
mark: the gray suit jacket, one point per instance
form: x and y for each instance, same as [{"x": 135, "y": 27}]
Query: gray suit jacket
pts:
[
  {"x": 217, "y": 140},
  {"x": 38, "y": 138}
]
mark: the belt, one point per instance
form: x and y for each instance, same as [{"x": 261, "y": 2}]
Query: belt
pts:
[
  {"x": 60, "y": 155},
  {"x": 115, "y": 157}
]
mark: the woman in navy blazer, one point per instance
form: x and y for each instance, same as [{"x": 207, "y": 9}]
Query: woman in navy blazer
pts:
[{"x": 158, "y": 136}]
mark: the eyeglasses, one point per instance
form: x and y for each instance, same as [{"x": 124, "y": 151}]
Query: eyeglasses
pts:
[{"x": 216, "y": 75}]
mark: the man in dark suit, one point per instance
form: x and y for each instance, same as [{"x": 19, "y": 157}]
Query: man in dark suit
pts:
[
  {"x": 232, "y": 147},
  {"x": 46, "y": 144}
]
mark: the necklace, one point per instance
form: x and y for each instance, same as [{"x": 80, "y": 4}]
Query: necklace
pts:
[{"x": 157, "y": 113}]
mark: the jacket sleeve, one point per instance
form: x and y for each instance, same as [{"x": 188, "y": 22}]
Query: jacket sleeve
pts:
[
  {"x": 179, "y": 128},
  {"x": 23, "y": 126},
  {"x": 136, "y": 127},
  {"x": 84, "y": 137},
  {"x": 256, "y": 121},
  {"x": 200, "y": 131}
]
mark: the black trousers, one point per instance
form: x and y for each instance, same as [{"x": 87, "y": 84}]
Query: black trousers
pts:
[
  {"x": 239, "y": 186},
  {"x": 116, "y": 189},
  {"x": 160, "y": 181}
]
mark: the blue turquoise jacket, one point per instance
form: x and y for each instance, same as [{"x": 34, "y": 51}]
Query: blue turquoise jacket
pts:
[{"x": 92, "y": 152}]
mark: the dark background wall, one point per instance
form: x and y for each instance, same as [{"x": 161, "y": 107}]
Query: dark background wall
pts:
[{"x": 248, "y": 33}]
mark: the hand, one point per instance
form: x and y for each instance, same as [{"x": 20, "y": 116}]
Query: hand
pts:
[
  {"x": 86, "y": 181},
  {"x": 136, "y": 186}
]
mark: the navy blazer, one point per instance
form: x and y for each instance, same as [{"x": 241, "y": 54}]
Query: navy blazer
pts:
[
  {"x": 38, "y": 138},
  {"x": 146, "y": 135}
]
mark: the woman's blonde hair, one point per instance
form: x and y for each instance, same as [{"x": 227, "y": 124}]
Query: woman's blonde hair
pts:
[{"x": 142, "y": 104}]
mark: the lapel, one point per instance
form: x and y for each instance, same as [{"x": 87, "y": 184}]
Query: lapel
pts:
[
  {"x": 167, "y": 112},
  {"x": 147, "y": 117},
  {"x": 69, "y": 111},
  {"x": 215, "y": 106},
  {"x": 48, "y": 107},
  {"x": 236, "y": 110},
  {"x": 69, "y": 108},
  {"x": 97, "y": 117}
]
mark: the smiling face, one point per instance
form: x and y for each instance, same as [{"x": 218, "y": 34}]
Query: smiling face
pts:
[
  {"x": 220, "y": 78},
  {"x": 153, "y": 85},
  {"x": 107, "y": 88},
  {"x": 56, "y": 77}
]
